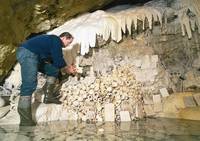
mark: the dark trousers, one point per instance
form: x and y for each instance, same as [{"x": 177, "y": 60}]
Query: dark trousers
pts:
[{"x": 30, "y": 65}]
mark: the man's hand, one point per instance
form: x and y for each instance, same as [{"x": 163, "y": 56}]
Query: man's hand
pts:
[{"x": 71, "y": 69}]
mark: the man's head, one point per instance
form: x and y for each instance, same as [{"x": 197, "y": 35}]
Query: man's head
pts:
[{"x": 66, "y": 38}]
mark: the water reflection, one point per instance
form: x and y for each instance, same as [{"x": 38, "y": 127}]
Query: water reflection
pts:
[{"x": 146, "y": 130}]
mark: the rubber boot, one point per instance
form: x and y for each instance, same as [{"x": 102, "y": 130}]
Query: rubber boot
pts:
[
  {"x": 49, "y": 96},
  {"x": 24, "y": 110}
]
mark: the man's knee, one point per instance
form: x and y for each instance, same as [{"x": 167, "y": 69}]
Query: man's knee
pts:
[{"x": 28, "y": 89}]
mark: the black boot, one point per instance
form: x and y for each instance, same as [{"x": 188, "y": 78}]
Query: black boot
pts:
[
  {"x": 49, "y": 96},
  {"x": 24, "y": 110}
]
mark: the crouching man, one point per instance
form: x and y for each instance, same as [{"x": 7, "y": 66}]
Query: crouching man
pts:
[{"x": 41, "y": 53}]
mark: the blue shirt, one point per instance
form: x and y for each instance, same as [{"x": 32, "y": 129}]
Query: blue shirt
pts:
[{"x": 47, "y": 46}]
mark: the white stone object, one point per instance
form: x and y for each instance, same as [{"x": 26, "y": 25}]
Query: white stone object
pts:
[
  {"x": 99, "y": 119},
  {"x": 156, "y": 98},
  {"x": 4, "y": 111},
  {"x": 2, "y": 102},
  {"x": 109, "y": 112},
  {"x": 139, "y": 111},
  {"x": 101, "y": 130},
  {"x": 154, "y": 58},
  {"x": 146, "y": 63},
  {"x": 154, "y": 61},
  {"x": 14, "y": 80},
  {"x": 125, "y": 116},
  {"x": 137, "y": 63},
  {"x": 164, "y": 92}
]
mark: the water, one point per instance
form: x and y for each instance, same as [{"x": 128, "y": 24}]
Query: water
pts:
[{"x": 145, "y": 130}]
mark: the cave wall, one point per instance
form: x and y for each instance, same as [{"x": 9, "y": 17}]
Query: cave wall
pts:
[{"x": 20, "y": 18}]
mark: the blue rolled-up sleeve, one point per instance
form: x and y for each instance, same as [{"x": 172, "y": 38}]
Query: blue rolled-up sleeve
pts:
[{"x": 57, "y": 55}]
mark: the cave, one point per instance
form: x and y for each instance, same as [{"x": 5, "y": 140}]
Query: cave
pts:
[{"x": 138, "y": 72}]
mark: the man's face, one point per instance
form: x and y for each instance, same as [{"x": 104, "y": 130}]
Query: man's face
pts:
[{"x": 67, "y": 41}]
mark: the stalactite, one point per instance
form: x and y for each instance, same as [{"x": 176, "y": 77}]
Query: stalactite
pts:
[
  {"x": 117, "y": 21},
  {"x": 185, "y": 24},
  {"x": 107, "y": 25},
  {"x": 188, "y": 24}
]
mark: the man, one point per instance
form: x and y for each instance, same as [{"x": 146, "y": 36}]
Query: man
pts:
[{"x": 41, "y": 53}]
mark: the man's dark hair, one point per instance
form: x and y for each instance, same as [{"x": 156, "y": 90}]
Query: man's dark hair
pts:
[{"x": 66, "y": 35}]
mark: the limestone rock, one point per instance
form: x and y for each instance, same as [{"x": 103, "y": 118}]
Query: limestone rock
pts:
[
  {"x": 2, "y": 102},
  {"x": 109, "y": 112},
  {"x": 164, "y": 92},
  {"x": 139, "y": 111},
  {"x": 192, "y": 80},
  {"x": 189, "y": 101},
  {"x": 175, "y": 102},
  {"x": 156, "y": 99},
  {"x": 4, "y": 111},
  {"x": 11, "y": 118},
  {"x": 125, "y": 116},
  {"x": 174, "y": 107},
  {"x": 190, "y": 113},
  {"x": 197, "y": 98}
]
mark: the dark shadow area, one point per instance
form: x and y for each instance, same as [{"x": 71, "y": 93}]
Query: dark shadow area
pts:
[
  {"x": 35, "y": 34},
  {"x": 123, "y": 2}
]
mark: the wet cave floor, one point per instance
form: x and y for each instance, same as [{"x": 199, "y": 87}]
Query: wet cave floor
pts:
[{"x": 159, "y": 129}]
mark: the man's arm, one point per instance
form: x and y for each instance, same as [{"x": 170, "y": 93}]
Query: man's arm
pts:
[
  {"x": 71, "y": 69},
  {"x": 57, "y": 55}
]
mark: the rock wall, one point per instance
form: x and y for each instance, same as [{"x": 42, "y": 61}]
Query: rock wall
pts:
[
  {"x": 128, "y": 81},
  {"x": 178, "y": 55}
]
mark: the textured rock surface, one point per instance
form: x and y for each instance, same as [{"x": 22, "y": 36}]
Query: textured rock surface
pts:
[
  {"x": 21, "y": 18},
  {"x": 175, "y": 107}
]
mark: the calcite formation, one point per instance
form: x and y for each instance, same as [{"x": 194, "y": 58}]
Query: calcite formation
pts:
[
  {"x": 115, "y": 22},
  {"x": 111, "y": 24}
]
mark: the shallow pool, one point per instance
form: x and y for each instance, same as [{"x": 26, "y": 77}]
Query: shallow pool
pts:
[{"x": 145, "y": 130}]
